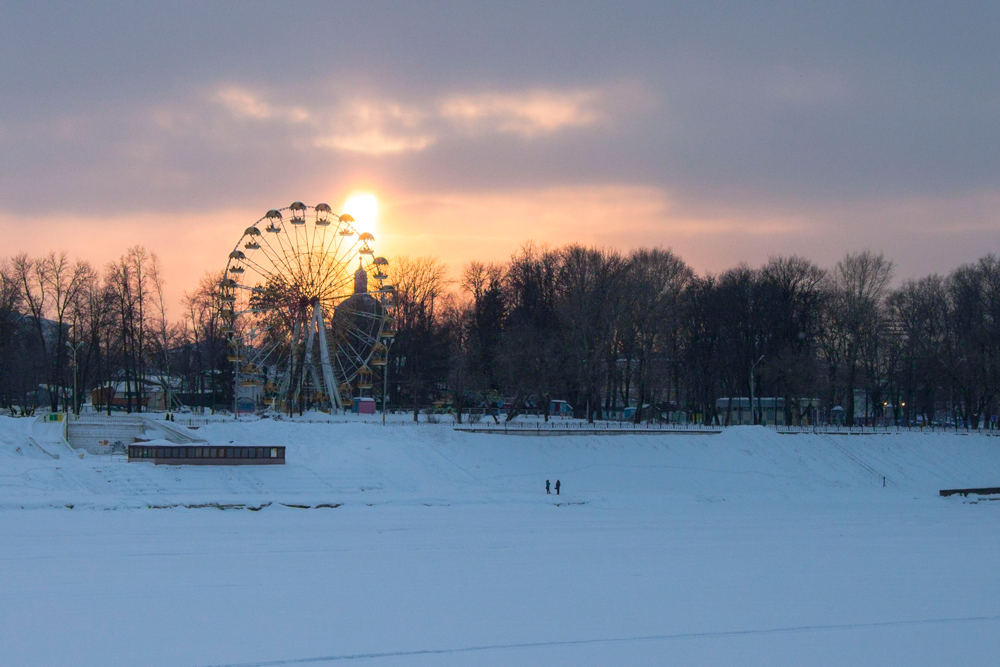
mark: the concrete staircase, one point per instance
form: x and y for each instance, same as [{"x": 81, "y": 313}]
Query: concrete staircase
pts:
[
  {"x": 104, "y": 435},
  {"x": 170, "y": 431},
  {"x": 48, "y": 435}
]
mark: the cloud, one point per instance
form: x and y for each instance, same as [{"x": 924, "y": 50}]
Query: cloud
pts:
[
  {"x": 374, "y": 141},
  {"x": 359, "y": 125},
  {"x": 528, "y": 114},
  {"x": 243, "y": 103},
  {"x": 377, "y": 126}
]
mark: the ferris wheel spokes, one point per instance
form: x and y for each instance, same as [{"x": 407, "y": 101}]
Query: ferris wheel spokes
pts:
[{"x": 300, "y": 334}]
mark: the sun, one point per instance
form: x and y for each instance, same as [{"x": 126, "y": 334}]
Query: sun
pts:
[{"x": 363, "y": 207}]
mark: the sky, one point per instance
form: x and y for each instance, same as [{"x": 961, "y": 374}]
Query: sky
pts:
[{"x": 729, "y": 132}]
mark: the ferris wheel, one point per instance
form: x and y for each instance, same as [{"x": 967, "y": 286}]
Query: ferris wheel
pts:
[{"x": 306, "y": 311}]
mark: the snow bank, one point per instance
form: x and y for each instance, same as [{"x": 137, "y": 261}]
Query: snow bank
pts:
[{"x": 367, "y": 464}]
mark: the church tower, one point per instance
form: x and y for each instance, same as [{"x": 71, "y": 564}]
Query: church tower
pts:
[{"x": 360, "y": 280}]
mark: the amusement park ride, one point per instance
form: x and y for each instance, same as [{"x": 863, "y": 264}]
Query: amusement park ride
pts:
[{"x": 306, "y": 311}]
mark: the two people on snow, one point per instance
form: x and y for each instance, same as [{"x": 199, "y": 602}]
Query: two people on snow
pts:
[{"x": 547, "y": 487}]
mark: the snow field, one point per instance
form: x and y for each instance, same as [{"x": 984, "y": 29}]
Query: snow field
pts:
[
  {"x": 744, "y": 548},
  {"x": 347, "y": 463}
]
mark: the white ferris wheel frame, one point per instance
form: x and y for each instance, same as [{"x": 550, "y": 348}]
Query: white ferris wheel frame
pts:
[{"x": 310, "y": 259}]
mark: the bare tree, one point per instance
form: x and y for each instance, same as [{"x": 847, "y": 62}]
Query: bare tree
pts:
[
  {"x": 95, "y": 317},
  {"x": 920, "y": 310},
  {"x": 32, "y": 277},
  {"x": 484, "y": 283},
  {"x": 590, "y": 282},
  {"x": 703, "y": 339},
  {"x": 860, "y": 285},
  {"x": 529, "y": 351},
  {"x": 12, "y": 353},
  {"x": 164, "y": 336},
  {"x": 657, "y": 282},
  {"x": 205, "y": 345},
  {"x": 974, "y": 337},
  {"x": 791, "y": 303},
  {"x": 419, "y": 356},
  {"x": 64, "y": 282},
  {"x": 465, "y": 378}
]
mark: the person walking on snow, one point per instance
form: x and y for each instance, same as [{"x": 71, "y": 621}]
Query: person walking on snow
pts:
[
  {"x": 547, "y": 487},
  {"x": 557, "y": 487}
]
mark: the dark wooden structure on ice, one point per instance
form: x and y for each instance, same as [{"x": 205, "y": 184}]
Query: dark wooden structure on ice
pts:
[
  {"x": 218, "y": 455},
  {"x": 989, "y": 491}
]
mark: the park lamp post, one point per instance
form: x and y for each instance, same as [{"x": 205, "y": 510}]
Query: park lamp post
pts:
[
  {"x": 76, "y": 400},
  {"x": 385, "y": 387},
  {"x": 753, "y": 410}
]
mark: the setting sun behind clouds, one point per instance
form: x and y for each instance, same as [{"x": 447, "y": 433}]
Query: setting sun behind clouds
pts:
[{"x": 363, "y": 207}]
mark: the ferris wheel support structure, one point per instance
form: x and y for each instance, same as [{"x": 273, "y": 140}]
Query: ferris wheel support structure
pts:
[
  {"x": 324, "y": 356},
  {"x": 318, "y": 329}
]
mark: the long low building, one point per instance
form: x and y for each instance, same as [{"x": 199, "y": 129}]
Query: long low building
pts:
[
  {"x": 219, "y": 455},
  {"x": 770, "y": 410}
]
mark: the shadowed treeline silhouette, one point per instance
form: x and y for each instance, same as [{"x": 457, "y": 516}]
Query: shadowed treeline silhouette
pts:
[{"x": 601, "y": 329}]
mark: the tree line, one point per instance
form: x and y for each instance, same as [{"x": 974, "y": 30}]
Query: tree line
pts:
[
  {"x": 596, "y": 327},
  {"x": 604, "y": 330},
  {"x": 65, "y": 322}
]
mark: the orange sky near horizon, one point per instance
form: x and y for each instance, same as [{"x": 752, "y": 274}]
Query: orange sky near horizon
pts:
[{"x": 461, "y": 227}]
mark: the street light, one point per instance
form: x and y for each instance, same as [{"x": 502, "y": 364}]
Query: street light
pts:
[
  {"x": 76, "y": 401},
  {"x": 753, "y": 413},
  {"x": 385, "y": 387}
]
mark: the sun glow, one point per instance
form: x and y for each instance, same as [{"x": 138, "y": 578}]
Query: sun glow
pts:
[{"x": 363, "y": 207}]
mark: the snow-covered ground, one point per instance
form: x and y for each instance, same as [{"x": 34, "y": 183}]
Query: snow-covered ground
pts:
[{"x": 432, "y": 547}]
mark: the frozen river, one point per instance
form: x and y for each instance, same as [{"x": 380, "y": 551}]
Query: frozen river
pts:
[{"x": 901, "y": 581}]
